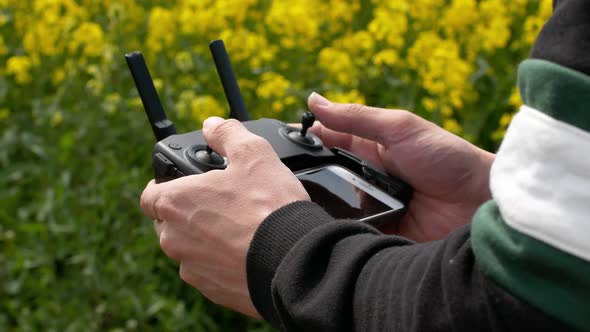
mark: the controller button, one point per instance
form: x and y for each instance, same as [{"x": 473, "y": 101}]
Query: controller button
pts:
[{"x": 175, "y": 146}]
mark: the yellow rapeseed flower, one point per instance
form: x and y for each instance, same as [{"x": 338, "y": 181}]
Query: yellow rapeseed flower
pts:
[
  {"x": 338, "y": 13},
  {"x": 390, "y": 24},
  {"x": 203, "y": 107},
  {"x": 453, "y": 126},
  {"x": 272, "y": 86},
  {"x": 20, "y": 67},
  {"x": 89, "y": 38},
  {"x": 429, "y": 104},
  {"x": 339, "y": 66},
  {"x": 351, "y": 97},
  {"x": 515, "y": 100},
  {"x": 533, "y": 24},
  {"x": 296, "y": 23},
  {"x": 387, "y": 57},
  {"x": 58, "y": 76},
  {"x": 441, "y": 70},
  {"x": 161, "y": 29},
  {"x": 249, "y": 46},
  {"x": 459, "y": 16}
]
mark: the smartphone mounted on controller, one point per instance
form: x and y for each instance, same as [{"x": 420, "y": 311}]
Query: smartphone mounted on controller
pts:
[{"x": 342, "y": 183}]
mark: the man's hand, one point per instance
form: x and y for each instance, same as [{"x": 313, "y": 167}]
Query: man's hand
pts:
[
  {"x": 449, "y": 175},
  {"x": 206, "y": 221}
]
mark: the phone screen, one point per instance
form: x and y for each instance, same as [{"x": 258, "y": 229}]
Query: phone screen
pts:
[{"x": 343, "y": 194}]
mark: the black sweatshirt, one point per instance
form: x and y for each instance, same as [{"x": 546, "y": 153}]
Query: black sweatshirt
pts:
[
  {"x": 523, "y": 263},
  {"x": 310, "y": 272}
]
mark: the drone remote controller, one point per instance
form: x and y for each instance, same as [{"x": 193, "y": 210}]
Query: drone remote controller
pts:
[{"x": 177, "y": 155}]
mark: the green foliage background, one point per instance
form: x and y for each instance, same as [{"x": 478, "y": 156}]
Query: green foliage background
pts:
[{"x": 75, "y": 251}]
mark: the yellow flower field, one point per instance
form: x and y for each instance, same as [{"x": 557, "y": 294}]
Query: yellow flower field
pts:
[{"x": 75, "y": 252}]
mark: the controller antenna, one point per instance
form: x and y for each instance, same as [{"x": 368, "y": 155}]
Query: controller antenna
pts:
[
  {"x": 161, "y": 126},
  {"x": 237, "y": 108}
]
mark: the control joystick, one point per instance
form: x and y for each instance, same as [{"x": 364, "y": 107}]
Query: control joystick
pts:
[
  {"x": 210, "y": 158},
  {"x": 302, "y": 137}
]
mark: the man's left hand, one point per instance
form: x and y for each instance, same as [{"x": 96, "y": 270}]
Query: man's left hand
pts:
[{"x": 207, "y": 221}]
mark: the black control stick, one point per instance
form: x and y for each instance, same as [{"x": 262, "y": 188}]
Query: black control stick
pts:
[
  {"x": 301, "y": 137},
  {"x": 307, "y": 120}
]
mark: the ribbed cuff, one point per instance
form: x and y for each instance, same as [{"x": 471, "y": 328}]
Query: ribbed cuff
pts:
[{"x": 277, "y": 234}]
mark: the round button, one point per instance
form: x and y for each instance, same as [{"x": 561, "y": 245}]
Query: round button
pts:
[{"x": 175, "y": 146}]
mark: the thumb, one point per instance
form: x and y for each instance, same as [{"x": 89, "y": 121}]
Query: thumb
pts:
[
  {"x": 376, "y": 124},
  {"x": 231, "y": 139}
]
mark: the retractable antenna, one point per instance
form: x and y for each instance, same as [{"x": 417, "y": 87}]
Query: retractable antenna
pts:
[
  {"x": 237, "y": 108},
  {"x": 161, "y": 126}
]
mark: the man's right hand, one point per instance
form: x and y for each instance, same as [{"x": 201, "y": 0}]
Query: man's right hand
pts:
[{"x": 449, "y": 175}]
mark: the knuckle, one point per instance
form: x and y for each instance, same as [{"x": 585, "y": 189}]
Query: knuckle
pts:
[
  {"x": 226, "y": 127},
  {"x": 185, "y": 275},
  {"x": 250, "y": 147},
  {"x": 405, "y": 118},
  {"x": 144, "y": 202},
  {"x": 168, "y": 246},
  {"x": 164, "y": 206},
  {"x": 256, "y": 143},
  {"x": 356, "y": 109}
]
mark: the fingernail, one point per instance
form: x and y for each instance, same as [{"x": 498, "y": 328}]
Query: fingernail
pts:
[
  {"x": 211, "y": 123},
  {"x": 319, "y": 100}
]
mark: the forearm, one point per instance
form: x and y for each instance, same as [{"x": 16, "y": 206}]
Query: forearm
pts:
[{"x": 336, "y": 275}]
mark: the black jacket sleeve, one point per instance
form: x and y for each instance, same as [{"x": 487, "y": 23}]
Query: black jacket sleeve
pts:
[{"x": 310, "y": 272}]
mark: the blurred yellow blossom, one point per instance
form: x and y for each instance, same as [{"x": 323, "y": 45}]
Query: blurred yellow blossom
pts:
[
  {"x": 441, "y": 69},
  {"x": 203, "y": 107},
  {"x": 390, "y": 24},
  {"x": 248, "y": 46},
  {"x": 88, "y": 37},
  {"x": 460, "y": 16},
  {"x": 350, "y": 97},
  {"x": 20, "y": 67},
  {"x": 533, "y": 24},
  {"x": 58, "y": 76},
  {"x": 56, "y": 119},
  {"x": 453, "y": 126},
  {"x": 505, "y": 120},
  {"x": 429, "y": 104},
  {"x": 296, "y": 22},
  {"x": 272, "y": 85},
  {"x": 339, "y": 13},
  {"x": 4, "y": 114},
  {"x": 162, "y": 28},
  {"x": 494, "y": 30},
  {"x": 386, "y": 57},
  {"x": 338, "y": 65},
  {"x": 515, "y": 100}
]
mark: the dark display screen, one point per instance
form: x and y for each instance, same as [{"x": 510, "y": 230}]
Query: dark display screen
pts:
[{"x": 339, "y": 197}]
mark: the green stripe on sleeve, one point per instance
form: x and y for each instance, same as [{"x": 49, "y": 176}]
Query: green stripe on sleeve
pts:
[
  {"x": 560, "y": 92},
  {"x": 551, "y": 280}
]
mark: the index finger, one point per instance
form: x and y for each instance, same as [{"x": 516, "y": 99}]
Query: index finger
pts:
[{"x": 158, "y": 200}]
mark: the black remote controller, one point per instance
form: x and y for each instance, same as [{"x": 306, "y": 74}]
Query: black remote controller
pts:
[{"x": 177, "y": 155}]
